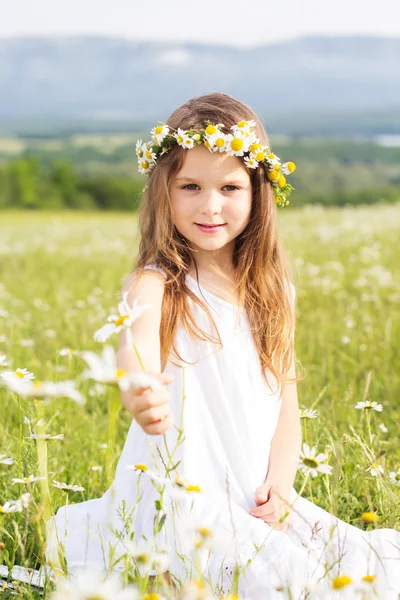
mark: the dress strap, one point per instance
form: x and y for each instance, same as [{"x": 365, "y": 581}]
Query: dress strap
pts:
[{"x": 154, "y": 267}]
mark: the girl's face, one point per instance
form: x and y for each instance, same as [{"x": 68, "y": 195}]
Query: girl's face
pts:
[{"x": 212, "y": 188}]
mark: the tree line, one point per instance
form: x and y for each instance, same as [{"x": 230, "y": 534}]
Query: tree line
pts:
[{"x": 27, "y": 183}]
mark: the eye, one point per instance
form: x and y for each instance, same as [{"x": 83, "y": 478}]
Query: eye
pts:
[
  {"x": 190, "y": 187},
  {"x": 232, "y": 188}
]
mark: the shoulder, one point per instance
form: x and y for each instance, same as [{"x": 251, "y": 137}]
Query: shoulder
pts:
[{"x": 145, "y": 285}]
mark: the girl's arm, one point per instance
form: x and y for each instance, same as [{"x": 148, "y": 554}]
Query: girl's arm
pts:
[
  {"x": 286, "y": 442},
  {"x": 148, "y": 289}
]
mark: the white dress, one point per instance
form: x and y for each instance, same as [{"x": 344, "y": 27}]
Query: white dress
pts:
[{"x": 228, "y": 420}]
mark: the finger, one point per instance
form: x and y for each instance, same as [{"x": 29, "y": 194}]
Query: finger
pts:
[
  {"x": 153, "y": 415},
  {"x": 261, "y": 499},
  {"x": 265, "y": 509},
  {"x": 159, "y": 427},
  {"x": 150, "y": 400}
]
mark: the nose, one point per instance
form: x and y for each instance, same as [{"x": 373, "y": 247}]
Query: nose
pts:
[{"x": 211, "y": 203}]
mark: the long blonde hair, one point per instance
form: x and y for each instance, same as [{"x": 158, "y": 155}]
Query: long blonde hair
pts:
[{"x": 261, "y": 269}]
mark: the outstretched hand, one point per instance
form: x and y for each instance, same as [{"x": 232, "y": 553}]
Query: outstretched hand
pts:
[{"x": 272, "y": 506}]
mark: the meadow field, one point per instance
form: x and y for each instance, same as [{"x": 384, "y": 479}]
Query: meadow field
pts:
[{"x": 60, "y": 277}]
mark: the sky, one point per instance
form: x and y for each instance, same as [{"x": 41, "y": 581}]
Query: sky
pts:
[{"x": 233, "y": 22}]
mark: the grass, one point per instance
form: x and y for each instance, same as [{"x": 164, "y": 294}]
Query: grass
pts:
[{"x": 60, "y": 277}]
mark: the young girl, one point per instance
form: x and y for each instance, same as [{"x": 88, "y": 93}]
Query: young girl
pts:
[{"x": 223, "y": 424}]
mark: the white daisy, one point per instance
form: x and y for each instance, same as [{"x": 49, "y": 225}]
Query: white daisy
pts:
[
  {"x": 244, "y": 126},
  {"x": 159, "y": 132},
  {"x": 3, "y": 361},
  {"x": 273, "y": 160},
  {"x": 181, "y": 136},
  {"x": 310, "y": 463},
  {"x": 237, "y": 144},
  {"x": 45, "y": 436},
  {"x": 146, "y": 558},
  {"x": 307, "y": 413},
  {"x": 4, "y": 460},
  {"x": 68, "y": 487},
  {"x": 18, "y": 375},
  {"x": 67, "y": 352},
  {"x": 27, "y": 480},
  {"x": 251, "y": 162},
  {"x": 368, "y": 405},
  {"x": 104, "y": 370},
  {"x": 148, "y": 153},
  {"x": 394, "y": 477},
  {"x": 383, "y": 428},
  {"x": 288, "y": 168},
  {"x": 375, "y": 469},
  {"x": 88, "y": 584},
  {"x": 145, "y": 166},
  {"x": 12, "y": 506},
  {"x": 27, "y": 343},
  {"x": 46, "y": 389},
  {"x": 216, "y": 142},
  {"x": 127, "y": 316},
  {"x": 139, "y": 151}
]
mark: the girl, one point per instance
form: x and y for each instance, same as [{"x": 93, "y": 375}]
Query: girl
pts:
[{"x": 221, "y": 431}]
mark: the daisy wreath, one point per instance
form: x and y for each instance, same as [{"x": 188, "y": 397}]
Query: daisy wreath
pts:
[{"x": 241, "y": 142}]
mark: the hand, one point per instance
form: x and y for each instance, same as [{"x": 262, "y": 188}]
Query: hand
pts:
[
  {"x": 150, "y": 408},
  {"x": 272, "y": 506}
]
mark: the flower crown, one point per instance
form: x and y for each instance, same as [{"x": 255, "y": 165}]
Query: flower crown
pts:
[{"x": 241, "y": 142}]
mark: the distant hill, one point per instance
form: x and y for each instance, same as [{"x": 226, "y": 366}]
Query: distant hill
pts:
[{"x": 116, "y": 79}]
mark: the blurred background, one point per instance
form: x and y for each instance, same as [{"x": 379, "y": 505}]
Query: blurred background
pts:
[{"x": 81, "y": 81}]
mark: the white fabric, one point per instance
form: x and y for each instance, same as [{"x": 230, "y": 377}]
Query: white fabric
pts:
[{"x": 229, "y": 419}]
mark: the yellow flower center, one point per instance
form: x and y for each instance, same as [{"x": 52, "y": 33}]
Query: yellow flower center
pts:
[
  {"x": 144, "y": 164},
  {"x": 370, "y": 517},
  {"x": 260, "y": 156},
  {"x": 180, "y": 139},
  {"x": 141, "y": 467},
  {"x": 151, "y": 597},
  {"x": 341, "y": 582},
  {"x": 291, "y": 167},
  {"x": 188, "y": 142},
  {"x": 158, "y": 129},
  {"x": 192, "y": 488},
  {"x": 148, "y": 154},
  {"x": 219, "y": 142},
  {"x": 211, "y": 129},
  {"x": 273, "y": 175},
  {"x": 26, "y": 480},
  {"x": 19, "y": 374},
  {"x": 205, "y": 532},
  {"x": 143, "y": 558},
  {"x": 120, "y": 320},
  {"x": 207, "y": 144},
  {"x": 369, "y": 578},
  {"x": 237, "y": 144},
  {"x": 2, "y": 511},
  {"x": 95, "y": 597},
  {"x": 255, "y": 148},
  {"x": 199, "y": 584},
  {"x": 277, "y": 167},
  {"x": 271, "y": 155},
  {"x": 311, "y": 463},
  {"x": 121, "y": 372},
  {"x": 242, "y": 123},
  {"x": 282, "y": 181}
]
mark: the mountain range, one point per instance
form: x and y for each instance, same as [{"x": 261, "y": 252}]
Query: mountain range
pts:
[{"x": 112, "y": 78}]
